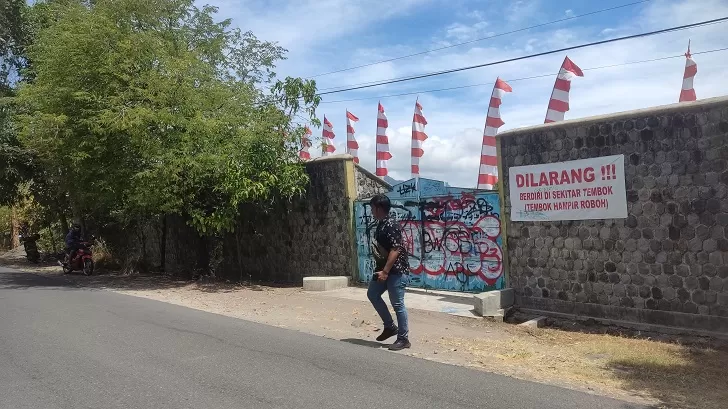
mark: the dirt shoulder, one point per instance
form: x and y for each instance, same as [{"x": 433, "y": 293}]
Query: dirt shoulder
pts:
[{"x": 639, "y": 369}]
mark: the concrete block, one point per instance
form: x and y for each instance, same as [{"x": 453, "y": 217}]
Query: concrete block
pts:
[
  {"x": 325, "y": 283},
  {"x": 492, "y": 303},
  {"x": 498, "y": 316},
  {"x": 538, "y": 322}
]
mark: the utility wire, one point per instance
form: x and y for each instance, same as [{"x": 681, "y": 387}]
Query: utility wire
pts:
[
  {"x": 561, "y": 20},
  {"x": 518, "y": 79},
  {"x": 560, "y": 50},
  {"x": 381, "y": 80}
]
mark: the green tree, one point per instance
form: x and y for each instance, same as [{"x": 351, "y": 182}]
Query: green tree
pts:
[
  {"x": 13, "y": 39},
  {"x": 15, "y": 163},
  {"x": 144, "y": 107}
]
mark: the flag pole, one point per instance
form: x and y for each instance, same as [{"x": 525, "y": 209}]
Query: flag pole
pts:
[
  {"x": 420, "y": 207},
  {"x": 417, "y": 177}
]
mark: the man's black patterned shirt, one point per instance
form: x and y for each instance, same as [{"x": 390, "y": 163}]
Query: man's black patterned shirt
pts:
[{"x": 388, "y": 236}]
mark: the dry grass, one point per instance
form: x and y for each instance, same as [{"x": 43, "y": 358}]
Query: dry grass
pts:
[
  {"x": 102, "y": 254},
  {"x": 678, "y": 376}
]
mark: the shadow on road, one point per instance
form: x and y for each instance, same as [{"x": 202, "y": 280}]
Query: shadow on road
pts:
[
  {"x": 35, "y": 276},
  {"x": 363, "y": 342},
  {"x": 43, "y": 275},
  {"x": 23, "y": 281}
]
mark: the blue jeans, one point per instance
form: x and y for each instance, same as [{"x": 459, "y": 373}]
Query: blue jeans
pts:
[{"x": 395, "y": 286}]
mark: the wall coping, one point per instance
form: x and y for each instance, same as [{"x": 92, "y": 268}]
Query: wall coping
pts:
[
  {"x": 343, "y": 157},
  {"x": 371, "y": 175},
  {"x": 656, "y": 110}
]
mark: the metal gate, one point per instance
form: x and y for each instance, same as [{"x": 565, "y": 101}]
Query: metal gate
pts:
[{"x": 454, "y": 242}]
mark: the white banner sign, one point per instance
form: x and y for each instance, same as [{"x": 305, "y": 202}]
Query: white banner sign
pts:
[{"x": 576, "y": 190}]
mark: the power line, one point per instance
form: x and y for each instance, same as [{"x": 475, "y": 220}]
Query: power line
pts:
[
  {"x": 560, "y": 50},
  {"x": 518, "y": 79},
  {"x": 561, "y": 20},
  {"x": 449, "y": 71},
  {"x": 339, "y": 87}
]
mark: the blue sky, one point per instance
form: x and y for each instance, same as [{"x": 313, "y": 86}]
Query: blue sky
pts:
[{"x": 326, "y": 35}]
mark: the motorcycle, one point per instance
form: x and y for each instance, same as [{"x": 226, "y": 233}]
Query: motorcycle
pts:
[
  {"x": 30, "y": 246},
  {"x": 82, "y": 260}
]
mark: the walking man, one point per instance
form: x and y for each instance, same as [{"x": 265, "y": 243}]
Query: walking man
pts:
[{"x": 391, "y": 274}]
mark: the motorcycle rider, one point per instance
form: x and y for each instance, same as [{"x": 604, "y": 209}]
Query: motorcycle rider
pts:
[{"x": 73, "y": 241}]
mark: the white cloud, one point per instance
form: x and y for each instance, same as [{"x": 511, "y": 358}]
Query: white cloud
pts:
[
  {"x": 305, "y": 23},
  {"x": 456, "y": 118},
  {"x": 475, "y": 14},
  {"x": 463, "y": 32},
  {"x": 523, "y": 10}
]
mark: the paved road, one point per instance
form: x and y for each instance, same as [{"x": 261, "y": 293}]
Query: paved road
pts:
[{"x": 67, "y": 347}]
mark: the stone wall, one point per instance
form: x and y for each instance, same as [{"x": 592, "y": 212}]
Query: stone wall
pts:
[
  {"x": 368, "y": 184},
  {"x": 162, "y": 244},
  {"x": 310, "y": 236},
  {"x": 667, "y": 263}
]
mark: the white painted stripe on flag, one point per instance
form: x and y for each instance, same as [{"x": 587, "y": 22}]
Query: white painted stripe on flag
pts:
[
  {"x": 488, "y": 170},
  {"x": 490, "y": 131},
  {"x": 489, "y": 151},
  {"x": 554, "y": 115},
  {"x": 564, "y": 74},
  {"x": 494, "y": 112},
  {"x": 560, "y": 95},
  {"x": 498, "y": 93}
]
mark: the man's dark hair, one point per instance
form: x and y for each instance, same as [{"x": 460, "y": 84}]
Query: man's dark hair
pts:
[{"x": 382, "y": 202}]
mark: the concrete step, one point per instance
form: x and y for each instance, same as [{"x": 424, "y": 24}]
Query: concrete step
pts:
[
  {"x": 325, "y": 283},
  {"x": 538, "y": 322},
  {"x": 492, "y": 303}
]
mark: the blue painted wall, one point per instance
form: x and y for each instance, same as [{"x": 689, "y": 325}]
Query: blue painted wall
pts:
[{"x": 453, "y": 236}]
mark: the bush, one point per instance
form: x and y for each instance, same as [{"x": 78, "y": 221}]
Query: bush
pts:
[{"x": 104, "y": 256}]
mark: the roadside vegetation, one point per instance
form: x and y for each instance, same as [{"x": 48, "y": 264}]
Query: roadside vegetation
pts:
[{"x": 117, "y": 111}]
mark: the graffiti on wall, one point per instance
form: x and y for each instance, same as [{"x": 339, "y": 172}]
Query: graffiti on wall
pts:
[
  {"x": 410, "y": 189},
  {"x": 453, "y": 242}
]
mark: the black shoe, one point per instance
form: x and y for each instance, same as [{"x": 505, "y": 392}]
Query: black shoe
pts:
[
  {"x": 399, "y": 345},
  {"x": 387, "y": 333}
]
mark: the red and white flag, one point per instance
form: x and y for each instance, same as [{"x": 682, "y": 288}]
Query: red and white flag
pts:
[
  {"x": 418, "y": 137},
  {"x": 352, "y": 147},
  {"x": 688, "y": 92},
  {"x": 383, "y": 154},
  {"x": 488, "y": 175},
  {"x": 559, "y": 102},
  {"x": 327, "y": 145},
  {"x": 305, "y": 144}
]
